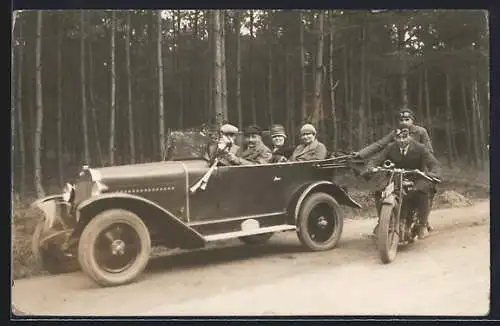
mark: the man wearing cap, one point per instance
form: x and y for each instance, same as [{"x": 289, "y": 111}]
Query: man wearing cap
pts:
[
  {"x": 417, "y": 133},
  {"x": 406, "y": 120},
  {"x": 281, "y": 152},
  {"x": 407, "y": 153},
  {"x": 255, "y": 152},
  {"x": 225, "y": 143},
  {"x": 311, "y": 148}
]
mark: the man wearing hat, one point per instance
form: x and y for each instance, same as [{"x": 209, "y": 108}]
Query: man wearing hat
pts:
[
  {"x": 281, "y": 152},
  {"x": 255, "y": 152},
  {"x": 417, "y": 133},
  {"x": 407, "y": 153},
  {"x": 406, "y": 120},
  {"x": 311, "y": 148},
  {"x": 225, "y": 143}
]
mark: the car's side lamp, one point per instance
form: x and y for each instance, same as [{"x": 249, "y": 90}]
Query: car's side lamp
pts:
[{"x": 98, "y": 188}]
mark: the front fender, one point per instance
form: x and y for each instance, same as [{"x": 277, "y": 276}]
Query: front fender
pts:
[
  {"x": 156, "y": 217},
  {"x": 54, "y": 210},
  {"x": 329, "y": 187}
]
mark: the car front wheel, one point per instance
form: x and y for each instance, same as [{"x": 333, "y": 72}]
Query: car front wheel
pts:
[
  {"x": 114, "y": 247},
  {"x": 320, "y": 222}
]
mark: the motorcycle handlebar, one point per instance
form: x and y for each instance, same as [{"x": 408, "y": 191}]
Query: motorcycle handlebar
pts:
[{"x": 404, "y": 171}]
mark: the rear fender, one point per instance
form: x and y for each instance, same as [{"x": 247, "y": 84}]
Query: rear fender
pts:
[
  {"x": 328, "y": 187},
  {"x": 154, "y": 216}
]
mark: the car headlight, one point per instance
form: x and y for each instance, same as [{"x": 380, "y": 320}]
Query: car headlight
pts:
[
  {"x": 68, "y": 193},
  {"x": 98, "y": 188}
]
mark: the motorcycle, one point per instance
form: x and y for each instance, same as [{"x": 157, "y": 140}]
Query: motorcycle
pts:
[{"x": 398, "y": 224}]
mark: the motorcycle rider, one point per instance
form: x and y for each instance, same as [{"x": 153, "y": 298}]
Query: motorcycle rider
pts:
[
  {"x": 418, "y": 133},
  {"x": 407, "y": 153}
]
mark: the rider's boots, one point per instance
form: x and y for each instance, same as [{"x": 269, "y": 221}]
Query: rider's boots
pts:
[{"x": 423, "y": 212}]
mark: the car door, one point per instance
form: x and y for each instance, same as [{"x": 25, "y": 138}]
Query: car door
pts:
[{"x": 250, "y": 190}]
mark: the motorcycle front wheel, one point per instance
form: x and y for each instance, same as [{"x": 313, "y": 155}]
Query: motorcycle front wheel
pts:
[{"x": 388, "y": 237}]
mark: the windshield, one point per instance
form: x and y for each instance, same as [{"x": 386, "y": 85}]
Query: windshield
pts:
[{"x": 187, "y": 144}]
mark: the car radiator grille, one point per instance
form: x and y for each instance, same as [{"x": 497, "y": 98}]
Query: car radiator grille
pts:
[{"x": 83, "y": 190}]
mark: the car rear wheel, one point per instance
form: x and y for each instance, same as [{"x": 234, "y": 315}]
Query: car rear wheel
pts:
[
  {"x": 49, "y": 256},
  {"x": 114, "y": 247},
  {"x": 320, "y": 222},
  {"x": 256, "y": 239}
]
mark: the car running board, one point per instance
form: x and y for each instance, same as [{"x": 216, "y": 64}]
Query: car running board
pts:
[{"x": 238, "y": 234}]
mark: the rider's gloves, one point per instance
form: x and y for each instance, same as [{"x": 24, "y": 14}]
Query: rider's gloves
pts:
[{"x": 355, "y": 154}]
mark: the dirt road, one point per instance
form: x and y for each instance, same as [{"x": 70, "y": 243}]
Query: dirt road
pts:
[{"x": 446, "y": 274}]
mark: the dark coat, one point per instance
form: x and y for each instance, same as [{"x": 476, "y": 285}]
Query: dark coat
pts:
[
  {"x": 282, "y": 152},
  {"x": 313, "y": 151},
  {"x": 417, "y": 157},
  {"x": 418, "y": 133},
  {"x": 260, "y": 154}
]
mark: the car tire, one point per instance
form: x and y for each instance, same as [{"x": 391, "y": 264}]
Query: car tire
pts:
[
  {"x": 95, "y": 262},
  {"x": 256, "y": 239},
  {"x": 51, "y": 259},
  {"x": 320, "y": 222}
]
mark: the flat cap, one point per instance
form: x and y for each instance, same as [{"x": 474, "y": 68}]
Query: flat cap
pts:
[
  {"x": 308, "y": 129},
  {"x": 229, "y": 129},
  {"x": 253, "y": 130},
  {"x": 406, "y": 112},
  {"x": 277, "y": 130}
]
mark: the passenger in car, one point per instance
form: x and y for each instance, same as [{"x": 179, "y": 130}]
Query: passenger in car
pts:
[
  {"x": 281, "y": 151},
  {"x": 225, "y": 143},
  {"x": 255, "y": 151},
  {"x": 311, "y": 148}
]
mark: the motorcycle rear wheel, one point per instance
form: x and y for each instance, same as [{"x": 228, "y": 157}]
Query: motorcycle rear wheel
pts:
[{"x": 387, "y": 235}]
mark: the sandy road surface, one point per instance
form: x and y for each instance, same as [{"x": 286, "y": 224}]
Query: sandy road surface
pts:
[{"x": 447, "y": 274}]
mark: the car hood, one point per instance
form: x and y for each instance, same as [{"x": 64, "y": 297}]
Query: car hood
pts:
[{"x": 146, "y": 172}]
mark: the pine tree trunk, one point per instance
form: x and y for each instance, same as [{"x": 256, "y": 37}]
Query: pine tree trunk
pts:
[
  {"x": 302, "y": 72},
  {"x": 39, "y": 110},
  {"x": 370, "y": 121},
  {"x": 480, "y": 125},
  {"x": 218, "y": 68},
  {"x": 332, "y": 85},
  {"x": 270, "y": 108},
  {"x": 112, "y": 145},
  {"x": 346, "y": 97},
  {"x": 129, "y": 91},
  {"x": 161, "y": 110},
  {"x": 468, "y": 135},
  {"x": 351, "y": 97},
  {"x": 60, "y": 149},
  {"x": 250, "y": 66},
  {"x": 237, "y": 23},
  {"x": 93, "y": 105},
  {"x": 18, "y": 108},
  {"x": 362, "y": 90},
  {"x": 83, "y": 90},
  {"x": 448, "y": 121},
  {"x": 402, "y": 57},
  {"x": 427, "y": 101},
  {"x": 179, "y": 74},
  {"x": 475, "y": 127},
  {"x": 222, "y": 40},
  {"x": 318, "y": 82}
]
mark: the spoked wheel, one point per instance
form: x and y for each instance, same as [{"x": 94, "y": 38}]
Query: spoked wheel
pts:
[
  {"x": 114, "y": 247},
  {"x": 48, "y": 253},
  {"x": 320, "y": 222},
  {"x": 388, "y": 237},
  {"x": 256, "y": 239}
]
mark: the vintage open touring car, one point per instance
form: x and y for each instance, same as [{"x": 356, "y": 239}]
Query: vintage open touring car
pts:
[{"x": 107, "y": 221}]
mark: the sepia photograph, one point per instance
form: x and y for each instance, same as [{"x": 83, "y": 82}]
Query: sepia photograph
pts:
[{"x": 259, "y": 162}]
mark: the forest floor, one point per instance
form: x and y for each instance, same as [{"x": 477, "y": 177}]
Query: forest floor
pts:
[{"x": 462, "y": 187}]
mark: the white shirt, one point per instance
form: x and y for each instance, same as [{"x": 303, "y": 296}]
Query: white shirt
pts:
[{"x": 404, "y": 150}]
